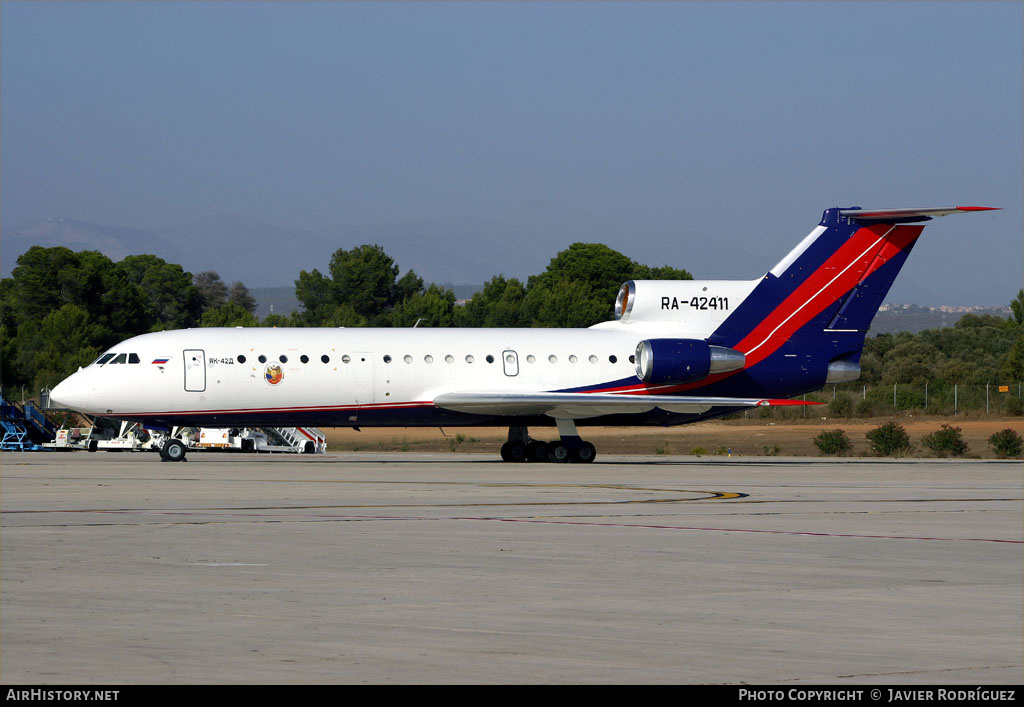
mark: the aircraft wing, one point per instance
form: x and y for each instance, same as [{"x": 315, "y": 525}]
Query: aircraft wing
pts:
[{"x": 583, "y": 405}]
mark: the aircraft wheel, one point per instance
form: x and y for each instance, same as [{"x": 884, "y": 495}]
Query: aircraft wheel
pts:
[
  {"x": 584, "y": 454},
  {"x": 557, "y": 453},
  {"x": 173, "y": 451},
  {"x": 536, "y": 451},
  {"x": 513, "y": 452}
]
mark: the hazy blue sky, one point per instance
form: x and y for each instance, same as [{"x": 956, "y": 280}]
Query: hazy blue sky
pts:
[{"x": 703, "y": 135}]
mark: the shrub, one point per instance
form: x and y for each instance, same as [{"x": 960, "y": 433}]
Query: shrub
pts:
[
  {"x": 1007, "y": 444},
  {"x": 1014, "y": 407},
  {"x": 772, "y": 450},
  {"x": 889, "y": 440},
  {"x": 833, "y": 443},
  {"x": 864, "y": 408},
  {"x": 946, "y": 441},
  {"x": 841, "y": 406},
  {"x": 698, "y": 451}
]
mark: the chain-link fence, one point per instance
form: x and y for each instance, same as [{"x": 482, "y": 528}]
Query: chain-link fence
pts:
[{"x": 934, "y": 398}]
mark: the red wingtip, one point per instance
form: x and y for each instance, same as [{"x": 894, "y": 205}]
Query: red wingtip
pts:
[{"x": 978, "y": 208}]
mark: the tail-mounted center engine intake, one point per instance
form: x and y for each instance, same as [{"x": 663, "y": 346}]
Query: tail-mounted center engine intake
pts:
[{"x": 661, "y": 361}]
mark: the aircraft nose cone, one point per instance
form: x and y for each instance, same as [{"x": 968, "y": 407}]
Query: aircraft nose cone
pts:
[{"x": 73, "y": 393}]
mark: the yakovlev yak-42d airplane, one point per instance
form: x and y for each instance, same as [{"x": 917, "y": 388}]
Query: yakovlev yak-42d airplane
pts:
[{"x": 678, "y": 351}]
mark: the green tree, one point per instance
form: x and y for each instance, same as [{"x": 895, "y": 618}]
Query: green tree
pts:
[
  {"x": 1017, "y": 307},
  {"x": 45, "y": 279},
  {"x": 564, "y": 303},
  {"x": 239, "y": 294},
  {"x": 277, "y": 320},
  {"x": 55, "y": 347},
  {"x": 911, "y": 362},
  {"x": 362, "y": 289},
  {"x": 665, "y": 272},
  {"x": 228, "y": 314},
  {"x": 172, "y": 298},
  {"x": 211, "y": 288},
  {"x": 600, "y": 267},
  {"x": 410, "y": 284},
  {"x": 585, "y": 279},
  {"x": 434, "y": 306},
  {"x": 61, "y": 307},
  {"x": 498, "y": 304},
  {"x": 364, "y": 278},
  {"x": 343, "y": 315},
  {"x": 8, "y": 331},
  {"x": 313, "y": 291},
  {"x": 1013, "y": 365}
]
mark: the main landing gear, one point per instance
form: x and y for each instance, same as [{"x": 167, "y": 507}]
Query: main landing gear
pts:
[{"x": 568, "y": 448}]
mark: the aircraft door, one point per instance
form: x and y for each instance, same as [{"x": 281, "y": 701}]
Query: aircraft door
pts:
[
  {"x": 195, "y": 370},
  {"x": 510, "y": 359}
]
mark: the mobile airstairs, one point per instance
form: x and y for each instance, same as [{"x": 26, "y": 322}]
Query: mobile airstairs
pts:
[
  {"x": 295, "y": 440},
  {"x": 25, "y": 427}
]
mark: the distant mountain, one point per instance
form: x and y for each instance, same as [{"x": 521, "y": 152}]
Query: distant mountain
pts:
[
  {"x": 257, "y": 253},
  {"x": 265, "y": 255},
  {"x": 251, "y": 251},
  {"x": 274, "y": 300},
  {"x": 113, "y": 241},
  {"x": 913, "y": 319}
]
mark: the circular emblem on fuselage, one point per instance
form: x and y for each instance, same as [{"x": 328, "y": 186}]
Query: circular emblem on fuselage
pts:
[{"x": 273, "y": 373}]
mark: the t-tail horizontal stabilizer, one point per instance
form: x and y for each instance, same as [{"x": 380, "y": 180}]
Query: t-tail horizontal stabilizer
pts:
[{"x": 908, "y": 215}]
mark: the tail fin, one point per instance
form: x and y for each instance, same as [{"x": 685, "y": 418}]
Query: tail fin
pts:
[{"x": 830, "y": 285}]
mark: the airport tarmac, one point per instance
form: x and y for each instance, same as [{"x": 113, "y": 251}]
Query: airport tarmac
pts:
[{"x": 457, "y": 568}]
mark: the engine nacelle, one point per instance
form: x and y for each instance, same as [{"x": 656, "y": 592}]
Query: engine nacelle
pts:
[
  {"x": 696, "y": 305},
  {"x": 674, "y": 361}
]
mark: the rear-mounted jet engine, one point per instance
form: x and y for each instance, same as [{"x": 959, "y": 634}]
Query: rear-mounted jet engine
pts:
[{"x": 674, "y": 361}]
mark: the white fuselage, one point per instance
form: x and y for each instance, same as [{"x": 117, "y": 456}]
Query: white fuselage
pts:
[{"x": 259, "y": 370}]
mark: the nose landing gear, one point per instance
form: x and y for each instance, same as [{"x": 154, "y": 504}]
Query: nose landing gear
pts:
[{"x": 173, "y": 451}]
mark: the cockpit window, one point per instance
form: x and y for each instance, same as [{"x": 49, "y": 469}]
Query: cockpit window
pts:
[
  {"x": 120, "y": 358},
  {"x": 133, "y": 358},
  {"x": 104, "y": 358}
]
